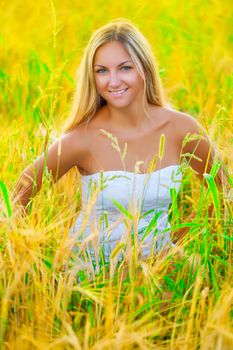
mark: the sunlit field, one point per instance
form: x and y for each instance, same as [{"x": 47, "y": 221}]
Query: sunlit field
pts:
[{"x": 52, "y": 299}]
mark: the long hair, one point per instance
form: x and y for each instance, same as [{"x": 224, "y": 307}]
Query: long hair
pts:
[{"x": 86, "y": 101}]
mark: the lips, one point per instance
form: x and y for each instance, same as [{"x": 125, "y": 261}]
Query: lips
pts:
[{"x": 118, "y": 92}]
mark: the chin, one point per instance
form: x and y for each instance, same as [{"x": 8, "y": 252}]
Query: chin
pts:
[{"x": 119, "y": 105}]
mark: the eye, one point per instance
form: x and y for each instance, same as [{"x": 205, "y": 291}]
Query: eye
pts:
[
  {"x": 100, "y": 70},
  {"x": 126, "y": 67}
]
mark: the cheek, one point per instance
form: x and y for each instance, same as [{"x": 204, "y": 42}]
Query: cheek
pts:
[
  {"x": 136, "y": 79},
  {"x": 140, "y": 80},
  {"x": 141, "y": 84},
  {"x": 100, "y": 83}
]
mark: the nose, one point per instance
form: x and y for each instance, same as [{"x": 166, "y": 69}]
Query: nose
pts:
[{"x": 114, "y": 80}]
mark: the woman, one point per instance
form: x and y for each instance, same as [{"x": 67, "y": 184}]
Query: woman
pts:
[{"x": 123, "y": 139}]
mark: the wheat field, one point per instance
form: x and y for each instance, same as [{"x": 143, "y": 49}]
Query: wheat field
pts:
[{"x": 181, "y": 299}]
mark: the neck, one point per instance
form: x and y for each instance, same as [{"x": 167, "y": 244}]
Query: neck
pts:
[{"x": 132, "y": 116}]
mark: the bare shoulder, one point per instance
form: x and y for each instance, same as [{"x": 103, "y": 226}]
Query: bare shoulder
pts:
[
  {"x": 68, "y": 150},
  {"x": 183, "y": 123},
  {"x": 175, "y": 118},
  {"x": 75, "y": 140},
  {"x": 187, "y": 123}
]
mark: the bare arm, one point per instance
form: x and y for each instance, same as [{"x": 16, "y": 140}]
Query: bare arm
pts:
[
  {"x": 200, "y": 154},
  {"x": 60, "y": 157},
  {"x": 198, "y": 150}
]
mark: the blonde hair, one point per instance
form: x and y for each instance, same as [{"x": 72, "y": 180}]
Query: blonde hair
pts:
[{"x": 86, "y": 100}]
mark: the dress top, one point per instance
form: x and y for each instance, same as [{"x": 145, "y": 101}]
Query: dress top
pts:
[{"x": 113, "y": 200}]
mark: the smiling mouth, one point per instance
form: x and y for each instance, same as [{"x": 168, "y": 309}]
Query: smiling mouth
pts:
[{"x": 118, "y": 92}]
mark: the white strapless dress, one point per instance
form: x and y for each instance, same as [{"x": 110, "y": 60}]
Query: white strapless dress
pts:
[{"x": 111, "y": 200}]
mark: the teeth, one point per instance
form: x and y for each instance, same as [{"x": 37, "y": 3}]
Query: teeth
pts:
[{"x": 117, "y": 92}]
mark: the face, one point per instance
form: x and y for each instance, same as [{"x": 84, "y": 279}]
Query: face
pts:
[{"x": 116, "y": 77}]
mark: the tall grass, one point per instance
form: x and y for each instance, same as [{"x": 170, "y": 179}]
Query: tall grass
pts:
[{"x": 181, "y": 299}]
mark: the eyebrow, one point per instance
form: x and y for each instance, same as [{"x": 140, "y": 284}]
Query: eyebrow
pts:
[{"x": 99, "y": 65}]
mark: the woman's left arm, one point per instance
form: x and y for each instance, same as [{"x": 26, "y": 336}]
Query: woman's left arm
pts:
[
  {"x": 198, "y": 150},
  {"x": 201, "y": 154}
]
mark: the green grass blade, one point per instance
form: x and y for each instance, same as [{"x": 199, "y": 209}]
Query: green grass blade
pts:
[
  {"x": 214, "y": 169},
  {"x": 122, "y": 209},
  {"x": 6, "y": 198},
  {"x": 175, "y": 210},
  {"x": 214, "y": 193},
  {"x": 152, "y": 223}
]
